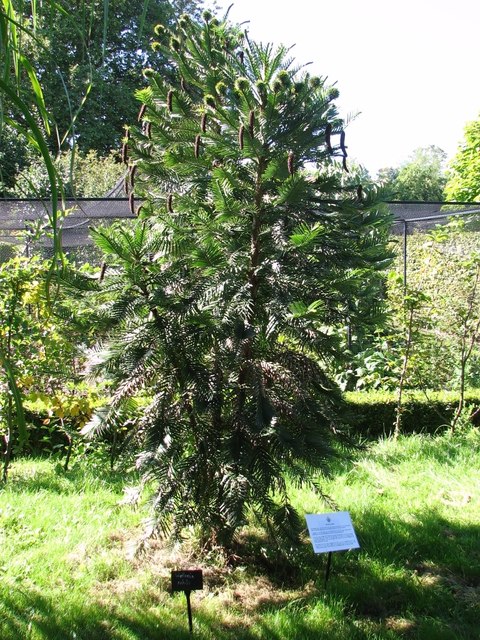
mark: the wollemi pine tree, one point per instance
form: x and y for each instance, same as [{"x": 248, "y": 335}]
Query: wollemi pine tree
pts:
[{"x": 246, "y": 255}]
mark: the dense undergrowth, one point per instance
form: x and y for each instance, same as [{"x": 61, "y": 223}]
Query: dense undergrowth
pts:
[{"x": 69, "y": 568}]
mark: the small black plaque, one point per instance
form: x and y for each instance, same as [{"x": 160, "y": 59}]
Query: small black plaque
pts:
[{"x": 187, "y": 580}]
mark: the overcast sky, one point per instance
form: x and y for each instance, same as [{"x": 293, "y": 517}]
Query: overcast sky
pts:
[{"x": 410, "y": 68}]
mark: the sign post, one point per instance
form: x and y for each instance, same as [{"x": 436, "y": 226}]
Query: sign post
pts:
[
  {"x": 331, "y": 532},
  {"x": 187, "y": 581},
  {"x": 329, "y": 566}
]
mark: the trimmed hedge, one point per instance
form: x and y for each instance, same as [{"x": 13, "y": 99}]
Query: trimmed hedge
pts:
[{"x": 375, "y": 410}]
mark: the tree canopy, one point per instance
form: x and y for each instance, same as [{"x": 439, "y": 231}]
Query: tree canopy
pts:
[
  {"x": 97, "y": 48},
  {"x": 421, "y": 177},
  {"x": 82, "y": 175},
  {"x": 86, "y": 58},
  {"x": 463, "y": 182}
]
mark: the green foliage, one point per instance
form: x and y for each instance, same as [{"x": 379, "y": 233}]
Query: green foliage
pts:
[
  {"x": 88, "y": 58},
  {"x": 56, "y": 417},
  {"x": 423, "y": 412},
  {"x": 7, "y": 251},
  {"x": 422, "y": 177},
  {"x": 412, "y": 305},
  {"x": 387, "y": 176},
  {"x": 447, "y": 263},
  {"x": 396, "y": 353},
  {"x": 82, "y": 175},
  {"x": 375, "y": 366},
  {"x": 14, "y": 156},
  {"x": 224, "y": 297},
  {"x": 74, "y": 67},
  {"x": 22, "y": 105},
  {"x": 38, "y": 352},
  {"x": 443, "y": 269},
  {"x": 463, "y": 182},
  {"x": 16, "y": 335}
]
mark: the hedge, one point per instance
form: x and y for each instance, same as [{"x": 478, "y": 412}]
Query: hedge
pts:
[{"x": 422, "y": 412}]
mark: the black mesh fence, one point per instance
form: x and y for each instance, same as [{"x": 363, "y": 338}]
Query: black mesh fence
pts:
[
  {"x": 418, "y": 216},
  {"x": 26, "y": 222},
  {"x": 23, "y": 220}
]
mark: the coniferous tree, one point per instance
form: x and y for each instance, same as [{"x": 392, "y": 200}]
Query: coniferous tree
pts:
[{"x": 231, "y": 284}]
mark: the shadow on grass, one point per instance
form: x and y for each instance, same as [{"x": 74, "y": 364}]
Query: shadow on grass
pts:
[
  {"x": 426, "y": 570},
  {"x": 419, "y": 579},
  {"x": 54, "y": 479},
  {"x": 31, "y": 615},
  {"x": 426, "y": 538},
  {"x": 416, "y": 580}
]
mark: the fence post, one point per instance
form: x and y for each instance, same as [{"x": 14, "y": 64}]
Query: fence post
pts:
[{"x": 405, "y": 229}]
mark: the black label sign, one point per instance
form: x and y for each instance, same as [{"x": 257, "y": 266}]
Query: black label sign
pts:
[{"x": 187, "y": 580}]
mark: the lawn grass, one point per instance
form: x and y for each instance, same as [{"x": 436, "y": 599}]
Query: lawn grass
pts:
[{"x": 67, "y": 568}]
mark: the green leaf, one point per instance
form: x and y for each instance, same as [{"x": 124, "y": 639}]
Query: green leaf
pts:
[
  {"x": 293, "y": 190},
  {"x": 304, "y": 235},
  {"x": 37, "y": 91}
]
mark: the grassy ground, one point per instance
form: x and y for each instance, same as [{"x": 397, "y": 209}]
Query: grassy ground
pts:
[{"x": 67, "y": 567}]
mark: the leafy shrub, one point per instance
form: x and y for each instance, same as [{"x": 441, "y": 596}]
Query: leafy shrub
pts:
[
  {"x": 40, "y": 337},
  {"x": 55, "y": 419}
]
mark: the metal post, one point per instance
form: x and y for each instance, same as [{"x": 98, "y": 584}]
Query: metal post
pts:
[
  {"x": 189, "y": 610},
  {"x": 329, "y": 566},
  {"x": 405, "y": 229}
]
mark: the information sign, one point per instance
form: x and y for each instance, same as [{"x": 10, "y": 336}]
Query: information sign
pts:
[
  {"x": 331, "y": 532},
  {"x": 187, "y": 580}
]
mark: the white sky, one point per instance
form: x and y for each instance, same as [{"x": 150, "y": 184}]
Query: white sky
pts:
[{"x": 410, "y": 68}]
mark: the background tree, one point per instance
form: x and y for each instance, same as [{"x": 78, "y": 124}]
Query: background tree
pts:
[
  {"x": 443, "y": 275},
  {"x": 82, "y": 175},
  {"x": 387, "y": 176},
  {"x": 223, "y": 297},
  {"x": 413, "y": 302},
  {"x": 86, "y": 57},
  {"x": 97, "y": 48},
  {"x": 15, "y": 155},
  {"x": 464, "y": 175},
  {"x": 422, "y": 177}
]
